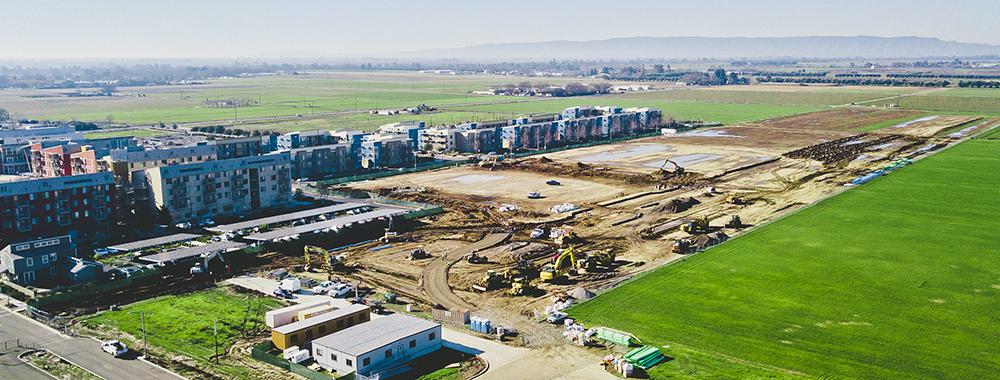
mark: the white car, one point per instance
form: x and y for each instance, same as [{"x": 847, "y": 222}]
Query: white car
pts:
[
  {"x": 323, "y": 287},
  {"x": 114, "y": 347},
  {"x": 184, "y": 226},
  {"x": 340, "y": 290}
]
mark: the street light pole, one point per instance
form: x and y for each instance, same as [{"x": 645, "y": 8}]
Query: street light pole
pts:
[{"x": 142, "y": 317}]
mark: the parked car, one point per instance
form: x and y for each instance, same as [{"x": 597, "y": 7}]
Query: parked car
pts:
[
  {"x": 183, "y": 226},
  {"x": 282, "y": 293},
  {"x": 115, "y": 348},
  {"x": 205, "y": 222},
  {"x": 323, "y": 287},
  {"x": 552, "y": 182},
  {"x": 104, "y": 252},
  {"x": 340, "y": 290}
]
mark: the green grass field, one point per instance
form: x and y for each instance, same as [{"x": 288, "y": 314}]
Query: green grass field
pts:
[
  {"x": 183, "y": 324},
  {"x": 898, "y": 278}
]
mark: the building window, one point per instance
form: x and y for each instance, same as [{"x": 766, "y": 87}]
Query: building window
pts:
[
  {"x": 430, "y": 336},
  {"x": 45, "y": 259},
  {"x": 349, "y": 363},
  {"x": 319, "y": 352},
  {"x": 52, "y": 257},
  {"x": 413, "y": 343},
  {"x": 388, "y": 354},
  {"x": 366, "y": 362},
  {"x": 29, "y": 261},
  {"x": 333, "y": 357}
]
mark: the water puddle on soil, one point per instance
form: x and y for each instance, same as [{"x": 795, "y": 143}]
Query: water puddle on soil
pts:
[
  {"x": 685, "y": 160},
  {"x": 632, "y": 151},
  {"x": 470, "y": 179}
]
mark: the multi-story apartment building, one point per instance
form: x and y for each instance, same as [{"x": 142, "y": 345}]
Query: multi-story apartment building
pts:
[
  {"x": 130, "y": 165},
  {"x": 81, "y": 204},
  {"x": 14, "y": 159},
  {"x": 26, "y": 136},
  {"x": 384, "y": 151},
  {"x": 65, "y": 159},
  {"x": 295, "y": 140},
  {"x": 409, "y": 128},
  {"x": 322, "y": 161},
  {"x": 239, "y": 147},
  {"x": 222, "y": 188}
]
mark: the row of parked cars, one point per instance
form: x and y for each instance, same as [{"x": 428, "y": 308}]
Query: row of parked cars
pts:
[{"x": 288, "y": 286}]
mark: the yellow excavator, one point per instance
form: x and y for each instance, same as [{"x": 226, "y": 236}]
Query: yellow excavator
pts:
[
  {"x": 678, "y": 170},
  {"x": 554, "y": 271},
  {"x": 319, "y": 258}
]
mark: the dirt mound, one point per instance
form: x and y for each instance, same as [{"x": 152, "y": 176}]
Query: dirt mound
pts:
[
  {"x": 582, "y": 294},
  {"x": 591, "y": 172},
  {"x": 677, "y": 205},
  {"x": 710, "y": 239}
]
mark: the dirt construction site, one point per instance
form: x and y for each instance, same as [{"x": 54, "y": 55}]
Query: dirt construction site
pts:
[{"x": 615, "y": 210}]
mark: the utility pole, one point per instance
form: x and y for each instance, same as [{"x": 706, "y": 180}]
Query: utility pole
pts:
[
  {"x": 142, "y": 317},
  {"x": 215, "y": 330}
]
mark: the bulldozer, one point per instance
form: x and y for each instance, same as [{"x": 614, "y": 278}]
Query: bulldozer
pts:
[
  {"x": 738, "y": 200},
  {"x": 667, "y": 173},
  {"x": 554, "y": 271},
  {"x": 567, "y": 239},
  {"x": 734, "y": 222},
  {"x": 418, "y": 254},
  {"x": 696, "y": 226},
  {"x": 682, "y": 246},
  {"x": 324, "y": 261},
  {"x": 475, "y": 258},
  {"x": 491, "y": 281},
  {"x": 599, "y": 261},
  {"x": 520, "y": 286}
]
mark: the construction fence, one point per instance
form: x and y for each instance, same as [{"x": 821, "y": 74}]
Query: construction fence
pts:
[
  {"x": 263, "y": 353},
  {"x": 85, "y": 290}
]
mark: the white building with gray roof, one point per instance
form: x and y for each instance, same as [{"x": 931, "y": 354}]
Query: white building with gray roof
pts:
[{"x": 382, "y": 346}]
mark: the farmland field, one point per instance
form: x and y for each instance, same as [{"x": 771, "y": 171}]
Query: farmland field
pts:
[
  {"x": 898, "y": 278},
  {"x": 183, "y": 324}
]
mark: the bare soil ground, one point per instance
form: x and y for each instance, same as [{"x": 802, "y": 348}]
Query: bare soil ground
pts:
[{"x": 841, "y": 119}]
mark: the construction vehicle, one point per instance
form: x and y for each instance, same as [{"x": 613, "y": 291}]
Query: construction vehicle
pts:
[
  {"x": 738, "y": 200},
  {"x": 418, "y": 254},
  {"x": 696, "y": 226},
  {"x": 324, "y": 261},
  {"x": 203, "y": 266},
  {"x": 490, "y": 161},
  {"x": 682, "y": 246},
  {"x": 678, "y": 170},
  {"x": 599, "y": 261},
  {"x": 734, "y": 222},
  {"x": 568, "y": 238},
  {"x": 491, "y": 281},
  {"x": 475, "y": 258},
  {"x": 534, "y": 195},
  {"x": 554, "y": 271},
  {"x": 538, "y": 232},
  {"x": 520, "y": 286}
]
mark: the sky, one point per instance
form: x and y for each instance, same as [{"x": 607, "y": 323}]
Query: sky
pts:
[{"x": 75, "y": 29}]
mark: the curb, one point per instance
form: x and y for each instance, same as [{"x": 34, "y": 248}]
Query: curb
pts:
[{"x": 19, "y": 357}]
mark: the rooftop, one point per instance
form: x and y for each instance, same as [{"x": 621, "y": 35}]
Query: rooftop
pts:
[
  {"x": 319, "y": 226},
  {"x": 189, "y": 252},
  {"x": 223, "y": 165},
  {"x": 284, "y": 217},
  {"x": 141, "y": 244},
  {"x": 377, "y": 333},
  {"x": 328, "y": 316},
  {"x": 34, "y": 185}
]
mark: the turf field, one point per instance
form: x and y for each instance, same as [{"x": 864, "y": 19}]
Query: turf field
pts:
[
  {"x": 898, "y": 278},
  {"x": 183, "y": 324}
]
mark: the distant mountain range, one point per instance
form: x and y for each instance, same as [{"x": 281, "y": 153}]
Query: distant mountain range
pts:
[{"x": 719, "y": 47}]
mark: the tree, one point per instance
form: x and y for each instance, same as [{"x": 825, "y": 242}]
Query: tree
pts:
[
  {"x": 658, "y": 68},
  {"x": 163, "y": 216},
  {"x": 719, "y": 76},
  {"x": 4, "y": 115}
]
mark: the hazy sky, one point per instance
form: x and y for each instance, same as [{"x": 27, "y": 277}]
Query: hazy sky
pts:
[{"x": 252, "y": 28}]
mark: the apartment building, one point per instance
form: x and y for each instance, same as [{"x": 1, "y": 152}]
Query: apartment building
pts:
[
  {"x": 50, "y": 206},
  {"x": 386, "y": 151},
  {"x": 222, "y": 188},
  {"x": 41, "y": 262},
  {"x": 239, "y": 147},
  {"x": 409, "y": 128},
  {"x": 295, "y": 140},
  {"x": 65, "y": 159},
  {"x": 14, "y": 159},
  {"x": 26, "y": 136},
  {"x": 130, "y": 166},
  {"x": 322, "y": 161}
]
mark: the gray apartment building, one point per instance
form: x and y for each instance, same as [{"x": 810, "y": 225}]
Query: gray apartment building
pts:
[
  {"x": 239, "y": 147},
  {"x": 40, "y": 262},
  {"x": 322, "y": 161},
  {"x": 189, "y": 192},
  {"x": 82, "y": 204}
]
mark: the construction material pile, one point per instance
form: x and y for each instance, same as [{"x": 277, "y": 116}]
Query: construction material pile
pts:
[
  {"x": 678, "y": 205},
  {"x": 583, "y": 170},
  {"x": 846, "y": 148},
  {"x": 703, "y": 242}
]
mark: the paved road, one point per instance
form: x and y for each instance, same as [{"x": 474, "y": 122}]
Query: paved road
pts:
[
  {"x": 13, "y": 368},
  {"x": 84, "y": 352},
  {"x": 434, "y": 279}
]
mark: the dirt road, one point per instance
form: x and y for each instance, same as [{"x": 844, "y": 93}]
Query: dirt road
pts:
[{"x": 434, "y": 278}]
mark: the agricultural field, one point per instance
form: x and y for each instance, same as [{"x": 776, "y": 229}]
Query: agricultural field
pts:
[
  {"x": 895, "y": 279},
  {"x": 138, "y": 133},
  {"x": 182, "y": 325},
  {"x": 779, "y": 95}
]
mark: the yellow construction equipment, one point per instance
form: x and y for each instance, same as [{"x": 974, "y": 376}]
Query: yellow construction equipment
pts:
[
  {"x": 696, "y": 226},
  {"x": 734, "y": 222},
  {"x": 520, "y": 286},
  {"x": 491, "y": 281},
  {"x": 325, "y": 261},
  {"x": 567, "y": 239},
  {"x": 599, "y": 261},
  {"x": 738, "y": 200},
  {"x": 552, "y": 272},
  {"x": 678, "y": 170}
]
